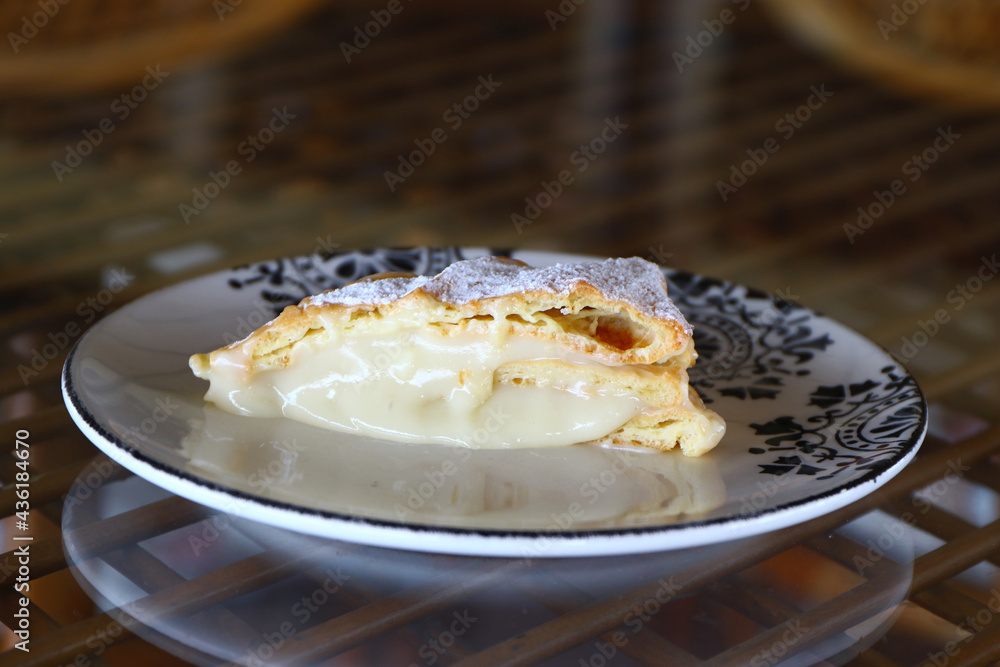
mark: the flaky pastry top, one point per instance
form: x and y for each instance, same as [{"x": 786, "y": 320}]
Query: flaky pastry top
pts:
[{"x": 616, "y": 311}]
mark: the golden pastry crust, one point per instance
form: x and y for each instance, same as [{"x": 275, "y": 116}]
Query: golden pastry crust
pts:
[
  {"x": 583, "y": 318},
  {"x": 684, "y": 426},
  {"x": 663, "y": 385}
]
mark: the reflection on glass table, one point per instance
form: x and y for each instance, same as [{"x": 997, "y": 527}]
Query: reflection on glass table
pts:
[{"x": 208, "y": 586}]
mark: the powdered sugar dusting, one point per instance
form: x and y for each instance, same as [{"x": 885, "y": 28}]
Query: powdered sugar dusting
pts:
[
  {"x": 632, "y": 280},
  {"x": 373, "y": 291}
]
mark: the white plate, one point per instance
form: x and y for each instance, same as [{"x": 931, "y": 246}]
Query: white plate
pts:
[{"x": 817, "y": 416}]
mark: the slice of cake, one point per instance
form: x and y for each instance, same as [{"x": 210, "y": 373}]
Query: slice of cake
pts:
[{"x": 488, "y": 353}]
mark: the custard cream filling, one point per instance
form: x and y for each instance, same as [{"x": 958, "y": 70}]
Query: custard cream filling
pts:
[{"x": 425, "y": 385}]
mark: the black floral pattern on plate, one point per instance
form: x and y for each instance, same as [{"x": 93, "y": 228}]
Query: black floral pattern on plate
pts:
[
  {"x": 748, "y": 342},
  {"x": 857, "y": 426}
]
